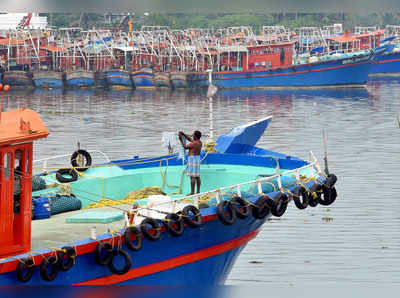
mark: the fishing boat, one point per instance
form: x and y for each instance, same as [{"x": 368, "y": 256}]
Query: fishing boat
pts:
[
  {"x": 80, "y": 78},
  {"x": 387, "y": 59},
  {"x": 162, "y": 80},
  {"x": 124, "y": 230},
  {"x": 118, "y": 78},
  {"x": 179, "y": 79},
  {"x": 143, "y": 78},
  {"x": 48, "y": 79},
  {"x": 17, "y": 78}
]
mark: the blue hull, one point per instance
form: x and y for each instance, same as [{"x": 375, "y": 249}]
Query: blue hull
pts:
[
  {"x": 143, "y": 79},
  {"x": 343, "y": 72},
  {"x": 117, "y": 78},
  {"x": 385, "y": 64},
  {"x": 80, "y": 82},
  {"x": 48, "y": 83}
]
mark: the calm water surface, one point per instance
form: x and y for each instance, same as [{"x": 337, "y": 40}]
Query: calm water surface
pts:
[{"x": 361, "y": 241}]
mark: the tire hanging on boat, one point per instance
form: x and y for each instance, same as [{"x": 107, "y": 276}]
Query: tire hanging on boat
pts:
[
  {"x": 103, "y": 253},
  {"x": 195, "y": 220},
  {"x": 86, "y": 155},
  {"x": 330, "y": 180},
  {"x": 328, "y": 196},
  {"x": 127, "y": 259},
  {"x": 136, "y": 244},
  {"x": 25, "y": 269},
  {"x": 153, "y": 235},
  {"x": 66, "y": 258},
  {"x": 262, "y": 207},
  {"x": 241, "y": 207},
  {"x": 226, "y": 212},
  {"x": 61, "y": 172},
  {"x": 279, "y": 206},
  {"x": 174, "y": 224},
  {"x": 300, "y": 197},
  {"x": 49, "y": 268},
  {"x": 312, "y": 200}
]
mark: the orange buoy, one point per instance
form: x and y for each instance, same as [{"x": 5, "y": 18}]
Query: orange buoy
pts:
[
  {"x": 6, "y": 88},
  {"x": 1, "y": 86}
]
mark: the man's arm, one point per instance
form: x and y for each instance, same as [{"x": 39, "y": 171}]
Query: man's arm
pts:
[{"x": 181, "y": 133}]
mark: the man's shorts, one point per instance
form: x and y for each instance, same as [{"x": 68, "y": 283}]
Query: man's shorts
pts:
[{"x": 193, "y": 166}]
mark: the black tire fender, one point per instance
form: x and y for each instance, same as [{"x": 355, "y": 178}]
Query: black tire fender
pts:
[
  {"x": 103, "y": 253},
  {"x": 128, "y": 262},
  {"x": 155, "y": 226},
  {"x": 330, "y": 180},
  {"x": 280, "y": 205},
  {"x": 66, "y": 258},
  {"x": 312, "y": 201},
  {"x": 86, "y": 155},
  {"x": 49, "y": 268},
  {"x": 136, "y": 244},
  {"x": 241, "y": 207},
  {"x": 62, "y": 179},
  {"x": 192, "y": 221},
  {"x": 174, "y": 224},
  {"x": 329, "y": 196},
  {"x": 300, "y": 197},
  {"x": 25, "y": 269},
  {"x": 262, "y": 207},
  {"x": 226, "y": 212}
]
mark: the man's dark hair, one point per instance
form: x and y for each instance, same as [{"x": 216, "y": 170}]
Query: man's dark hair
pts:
[{"x": 197, "y": 134}]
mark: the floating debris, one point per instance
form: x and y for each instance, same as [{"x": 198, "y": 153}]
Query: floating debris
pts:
[
  {"x": 256, "y": 262},
  {"x": 327, "y": 219}
]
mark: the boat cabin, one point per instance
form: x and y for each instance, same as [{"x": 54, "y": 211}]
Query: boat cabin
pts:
[
  {"x": 270, "y": 56},
  {"x": 18, "y": 129}
]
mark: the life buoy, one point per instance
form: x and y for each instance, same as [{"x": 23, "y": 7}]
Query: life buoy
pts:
[
  {"x": 154, "y": 233},
  {"x": 127, "y": 262},
  {"x": 226, "y": 212},
  {"x": 103, "y": 253},
  {"x": 61, "y": 178},
  {"x": 279, "y": 206},
  {"x": 174, "y": 224},
  {"x": 192, "y": 216},
  {"x": 136, "y": 244},
  {"x": 87, "y": 157},
  {"x": 241, "y": 207},
  {"x": 262, "y": 207},
  {"x": 328, "y": 196},
  {"x": 49, "y": 268},
  {"x": 25, "y": 269},
  {"x": 66, "y": 258},
  {"x": 300, "y": 197}
]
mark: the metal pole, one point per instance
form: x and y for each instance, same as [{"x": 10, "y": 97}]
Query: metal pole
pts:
[{"x": 210, "y": 99}]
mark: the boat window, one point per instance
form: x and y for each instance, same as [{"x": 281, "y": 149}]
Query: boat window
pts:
[
  {"x": 7, "y": 165},
  {"x": 27, "y": 162}
]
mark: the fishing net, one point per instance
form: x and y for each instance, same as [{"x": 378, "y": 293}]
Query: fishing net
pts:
[{"x": 61, "y": 204}]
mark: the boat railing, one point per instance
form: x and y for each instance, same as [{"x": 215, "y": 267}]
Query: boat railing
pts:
[
  {"x": 313, "y": 165},
  {"x": 45, "y": 161}
]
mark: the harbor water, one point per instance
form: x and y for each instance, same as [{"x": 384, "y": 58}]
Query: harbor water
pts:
[{"x": 355, "y": 240}]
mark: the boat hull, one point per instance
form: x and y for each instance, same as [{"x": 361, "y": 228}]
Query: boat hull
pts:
[
  {"x": 349, "y": 72},
  {"x": 179, "y": 80},
  {"x": 386, "y": 65},
  {"x": 143, "y": 78},
  {"x": 48, "y": 79},
  {"x": 17, "y": 78},
  {"x": 118, "y": 79},
  {"x": 162, "y": 80},
  {"x": 79, "y": 79}
]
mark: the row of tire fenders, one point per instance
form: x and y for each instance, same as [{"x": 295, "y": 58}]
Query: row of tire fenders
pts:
[{"x": 228, "y": 212}]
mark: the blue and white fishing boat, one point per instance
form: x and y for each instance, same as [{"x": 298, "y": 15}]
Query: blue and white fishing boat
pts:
[
  {"x": 162, "y": 80},
  {"x": 387, "y": 59},
  {"x": 143, "y": 78},
  {"x": 179, "y": 79},
  {"x": 80, "y": 78},
  {"x": 117, "y": 78},
  {"x": 130, "y": 233},
  {"x": 48, "y": 79},
  {"x": 18, "y": 78}
]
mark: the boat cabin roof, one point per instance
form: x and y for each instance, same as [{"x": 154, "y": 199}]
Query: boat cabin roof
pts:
[{"x": 21, "y": 125}]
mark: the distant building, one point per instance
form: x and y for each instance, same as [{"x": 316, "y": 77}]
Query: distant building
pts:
[{"x": 12, "y": 20}]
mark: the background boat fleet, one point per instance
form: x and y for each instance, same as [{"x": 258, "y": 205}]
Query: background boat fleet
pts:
[{"x": 161, "y": 57}]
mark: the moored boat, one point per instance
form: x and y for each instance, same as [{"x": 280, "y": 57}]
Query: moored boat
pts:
[
  {"x": 143, "y": 78},
  {"x": 80, "y": 78},
  {"x": 18, "y": 78},
  {"x": 48, "y": 79},
  {"x": 179, "y": 79},
  {"x": 386, "y": 61},
  {"x": 117, "y": 78},
  {"x": 166, "y": 239},
  {"x": 162, "y": 80}
]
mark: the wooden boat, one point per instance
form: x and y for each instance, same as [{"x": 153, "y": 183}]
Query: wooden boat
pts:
[
  {"x": 179, "y": 79},
  {"x": 133, "y": 236},
  {"x": 143, "y": 78},
  {"x": 162, "y": 80},
  {"x": 80, "y": 78},
  {"x": 48, "y": 79},
  {"x": 17, "y": 78},
  {"x": 117, "y": 78}
]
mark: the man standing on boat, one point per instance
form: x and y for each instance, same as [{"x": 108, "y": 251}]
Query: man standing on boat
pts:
[{"x": 193, "y": 164}]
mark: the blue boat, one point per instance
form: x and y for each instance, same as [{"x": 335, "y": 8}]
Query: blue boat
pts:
[
  {"x": 129, "y": 233},
  {"x": 143, "y": 78},
  {"x": 80, "y": 79},
  {"x": 162, "y": 80},
  {"x": 118, "y": 79},
  {"x": 17, "y": 78},
  {"x": 48, "y": 79},
  {"x": 386, "y": 61},
  {"x": 179, "y": 80}
]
